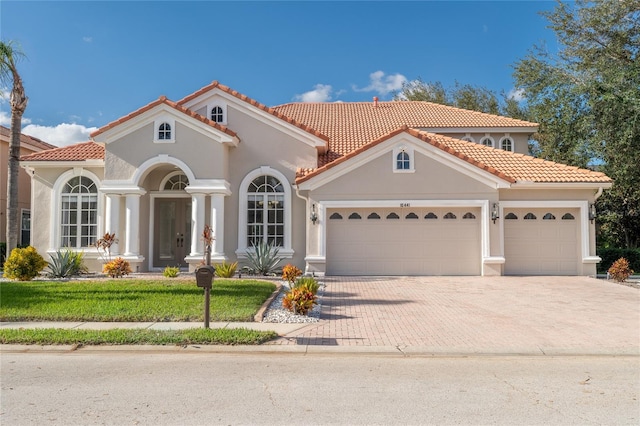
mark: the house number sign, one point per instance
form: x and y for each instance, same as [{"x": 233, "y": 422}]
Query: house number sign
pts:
[{"x": 405, "y": 205}]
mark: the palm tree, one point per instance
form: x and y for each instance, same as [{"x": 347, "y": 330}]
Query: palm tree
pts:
[{"x": 9, "y": 54}]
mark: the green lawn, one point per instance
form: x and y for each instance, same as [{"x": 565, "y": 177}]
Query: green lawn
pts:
[
  {"x": 130, "y": 300},
  {"x": 195, "y": 336}
]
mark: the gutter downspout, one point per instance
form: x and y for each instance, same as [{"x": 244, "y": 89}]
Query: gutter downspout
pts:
[{"x": 597, "y": 194}]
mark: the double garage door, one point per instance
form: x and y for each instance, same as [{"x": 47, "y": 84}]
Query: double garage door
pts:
[
  {"x": 404, "y": 241},
  {"x": 541, "y": 241}
]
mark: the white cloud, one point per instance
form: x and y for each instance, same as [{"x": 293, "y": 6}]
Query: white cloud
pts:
[
  {"x": 320, "y": 93},
  {"x": 87, "y": 39},
  {"x": 383, "y": 84},
  {"x": 516, "y": 94},
  {"x": 61, "y": 135}
]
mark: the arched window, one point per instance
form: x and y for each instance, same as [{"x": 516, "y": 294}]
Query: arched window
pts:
[
  {"x": 530, "y": 216},
  {"x": 548, "y": 216},
  {"x": 355, "y": 215},
  {"x": 511, "y": 216},
  {"x": 217, "y": 114},
  {"x": 373, "y": 215},
  {"x": 450, "y": 215},
  {"x": 487, "y": 141},
  {"x": 506, "y": 144},
  {"x": 79, "y": 213},
  {"x": 393, "y": 215},
  {"x": 177, "y": 182},
  {"x": 567, "y": 216},
  {"x": 431, "y": 215},
  {"x": 335, "y": 215},
  {"x": 265, "y": 211},
  {"x": 411, "y": 215},
  {"x": 402, "y": 161},
  {"x": 469, "y": 215},
  {"x": 164, "y": 131}
]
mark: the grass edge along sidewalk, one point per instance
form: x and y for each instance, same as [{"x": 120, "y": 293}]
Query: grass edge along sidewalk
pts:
[{"x": 124, "y": 300}]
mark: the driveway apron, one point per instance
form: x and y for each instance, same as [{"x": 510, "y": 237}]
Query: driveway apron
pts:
[{"x": 577, "y": 315}]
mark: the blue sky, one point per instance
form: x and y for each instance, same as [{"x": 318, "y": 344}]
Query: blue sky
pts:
[{"x": 89, "y": 63}]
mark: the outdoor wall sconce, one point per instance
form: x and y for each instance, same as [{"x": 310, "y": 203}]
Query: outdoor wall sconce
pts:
[
  {"x": 314, "y": 214},
  {"x": 495, "y": 212},
  {"x": 592, "y": 212}
]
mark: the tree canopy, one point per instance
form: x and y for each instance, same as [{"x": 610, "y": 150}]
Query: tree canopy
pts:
[{"x": 586, "y": 98}]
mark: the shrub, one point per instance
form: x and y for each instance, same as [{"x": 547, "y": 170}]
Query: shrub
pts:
[
  {"x": 117, "y": 268},
  {"x": 171, "y": 271},
  {"x": 290, "y": 273},
  {"x": 263, "y": 258},
  {"x": 620, "y": 270},
  {"x": 308, "y": 283},
  {"x": 299, "y": 300},
  {"x": 66, "y": 263},
  {"x": 24, "y": 264},
  {"x": 226, "y": 270},
  {"x": 611, "y": 254}
]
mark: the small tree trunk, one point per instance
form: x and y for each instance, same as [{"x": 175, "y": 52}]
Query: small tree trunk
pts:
[{"x": 18, "y": 105}]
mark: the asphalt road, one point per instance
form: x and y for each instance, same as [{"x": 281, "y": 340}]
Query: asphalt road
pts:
[{"x": 148, "y": 387}]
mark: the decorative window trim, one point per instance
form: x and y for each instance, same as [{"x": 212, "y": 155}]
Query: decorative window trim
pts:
[
  {"x": 411, "y": 215},
  {"x": 222, "y": 106},
  {"x": 58, "y": 186},
  {"x": 468, "y": 138},
  {"x": 399, "y": 150},
  {"x": 286, "y": 250},
  {"x": 335, "y": 216},
  {"x": 373, "y": 215},
  {"x": 431, "y": 215},
  {"x": 164, "y": 119},
  {"x": 393, "y": 215},
  {"x": 354, "y": 215},
  {"x": 488, "y": 138},
  {"x": 168, "y": 177},
  {"x": 507, "y": 139}
]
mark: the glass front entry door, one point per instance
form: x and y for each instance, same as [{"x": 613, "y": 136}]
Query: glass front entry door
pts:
[{"x": 172, "y": 236}]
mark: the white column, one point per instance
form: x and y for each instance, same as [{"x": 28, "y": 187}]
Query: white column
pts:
[
  {"x": 132, "y": 225},
  {"x": 197, "y": 223},
  {"x": 217, "y": 223},
  {"x": 112, "y": 219}
]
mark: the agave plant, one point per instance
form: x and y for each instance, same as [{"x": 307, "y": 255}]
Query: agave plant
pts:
[
  {"x": 66, "y": 263},
  {"x": 263, "y": 257}
]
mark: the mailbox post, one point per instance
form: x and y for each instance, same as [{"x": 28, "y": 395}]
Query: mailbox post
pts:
[{"x": 204, "y": 279}]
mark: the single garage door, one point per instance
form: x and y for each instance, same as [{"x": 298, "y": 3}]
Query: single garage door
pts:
[
  {"x": 541, "y": 241},
  {"x": 436, "y": 241}
]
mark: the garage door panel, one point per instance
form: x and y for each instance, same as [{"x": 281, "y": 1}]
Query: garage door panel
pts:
[
  {"x": 404, "y": 246},
  {"x": 541, "y": 246}
]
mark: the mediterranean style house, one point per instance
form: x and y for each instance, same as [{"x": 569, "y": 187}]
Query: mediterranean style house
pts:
[
  {"x": 28, "y": 145},
  {"x": 345, "y": 188}
]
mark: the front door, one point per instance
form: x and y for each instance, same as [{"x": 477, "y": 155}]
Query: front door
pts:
[{"x": 172, "y": 233}]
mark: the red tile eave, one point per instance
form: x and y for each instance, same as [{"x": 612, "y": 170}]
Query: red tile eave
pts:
[
  {"x": 244, "y": 98},
  {"x": 79, "y": 152},
  {"x": 174, "y": 105}
]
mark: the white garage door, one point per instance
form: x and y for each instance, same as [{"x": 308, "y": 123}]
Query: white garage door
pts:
[
  {"x": 541, "y": 241},
  {"x": 442, "y": 241}
]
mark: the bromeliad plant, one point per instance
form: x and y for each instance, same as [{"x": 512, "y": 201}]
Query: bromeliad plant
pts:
[
  {"x": 226, "y": 270},
  {"x": 290, "y": 273},
  {"x": 263, "y": 258}
]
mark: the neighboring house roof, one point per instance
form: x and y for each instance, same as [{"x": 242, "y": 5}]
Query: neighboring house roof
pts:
[
  {"x": 351, "y": 125},
  {"x": 506, "y": 165},
  {"x": 272, "y": 111},
  {"x": 78, "y": 152},
  {"x": 5, "y": 134},
  {"x": 164, "y": 100}
]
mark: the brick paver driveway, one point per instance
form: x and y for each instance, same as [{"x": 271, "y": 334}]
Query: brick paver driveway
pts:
[{"x": 478, "y": 315}]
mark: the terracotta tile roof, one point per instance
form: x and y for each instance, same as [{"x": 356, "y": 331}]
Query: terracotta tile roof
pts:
[
  {"x": 506, "y": 165},
  {"x": 273, "y": 111},
  {"x": 164, "y": 100},
  {"x": 5, "y": 134},
  {"x": 351, "y": 125},
  {"x": 78, "y": 152}
]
